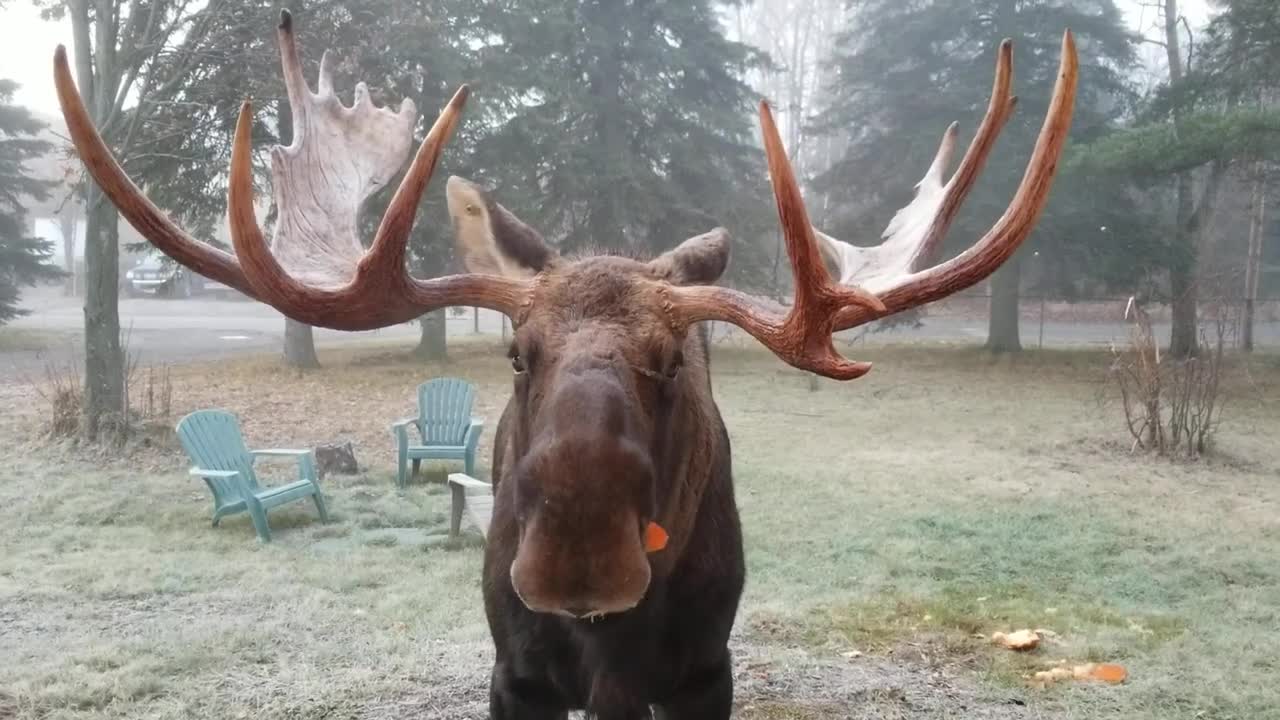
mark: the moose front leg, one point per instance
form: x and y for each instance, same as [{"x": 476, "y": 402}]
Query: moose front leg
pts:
[
  {"x": 515, "y": 698},
  {"x": 706, "y": 695},
  {"x": 613, "y": 697}
]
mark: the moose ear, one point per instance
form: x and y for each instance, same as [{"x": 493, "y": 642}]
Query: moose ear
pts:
[
  {"x": 700, "y": 260},
  {"x": 492, "y": 240}
]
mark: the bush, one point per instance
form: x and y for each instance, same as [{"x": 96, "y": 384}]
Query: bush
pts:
[{"x": 1171, "y": 406}]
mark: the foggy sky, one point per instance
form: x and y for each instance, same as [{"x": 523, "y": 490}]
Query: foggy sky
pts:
[{"x": 27, "y": 44}]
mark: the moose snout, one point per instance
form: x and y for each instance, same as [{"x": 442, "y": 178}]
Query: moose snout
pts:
[{"x": 607, "y": 576}]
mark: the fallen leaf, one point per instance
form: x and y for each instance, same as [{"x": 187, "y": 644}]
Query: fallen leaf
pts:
[
  {"x": 1110, "y": 673},
  {"x": 1104, "y": 672},
  {"x": 1020, "y": 640},
  {"x": 1044, "y": 678}
]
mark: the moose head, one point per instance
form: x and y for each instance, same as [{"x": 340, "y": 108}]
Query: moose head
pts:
[{"x": 603, "y": 356}]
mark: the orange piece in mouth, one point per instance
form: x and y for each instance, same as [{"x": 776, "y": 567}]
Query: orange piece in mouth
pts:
[{"x": 655, "y": 538}]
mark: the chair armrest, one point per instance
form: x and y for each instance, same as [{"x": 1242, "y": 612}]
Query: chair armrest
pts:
[
  {"x": 466, "y": 481},
  {"x": 472, "y": 438},
  {"x": 242, "y": 488},
  {"x": 306, "y": 460},
  {"x": 220, "y": 474},
  {"x": 285, "y": 452},
  {"x": 400, "y": 428}
]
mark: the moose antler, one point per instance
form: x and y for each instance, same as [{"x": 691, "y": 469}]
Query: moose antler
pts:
[
  {"x": 879, "y": 281},
  {"x": 917, "y": 229},
  {"x": 317, "y": 271}
]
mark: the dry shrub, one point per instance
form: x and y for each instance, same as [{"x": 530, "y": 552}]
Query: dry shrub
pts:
[
  {"x": 156, "y": 401},
  {"x": 1171, "y": 406},
  {"x": 62, "y": 393}
]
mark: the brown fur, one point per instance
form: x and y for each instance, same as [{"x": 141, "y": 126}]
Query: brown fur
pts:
[{"x": 611, "y": 425}]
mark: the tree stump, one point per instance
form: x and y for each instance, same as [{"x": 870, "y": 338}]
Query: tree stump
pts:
[{"x": 336, "y": 457}]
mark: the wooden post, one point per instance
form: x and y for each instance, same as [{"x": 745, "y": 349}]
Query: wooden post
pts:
[{"x": 1041, "y": 342}]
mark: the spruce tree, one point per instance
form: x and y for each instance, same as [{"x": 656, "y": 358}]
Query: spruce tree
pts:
[
  {"x": 627, "y": 126},
  {"x": 24, "y": 260},
  {"x": 909, "y": 69}
]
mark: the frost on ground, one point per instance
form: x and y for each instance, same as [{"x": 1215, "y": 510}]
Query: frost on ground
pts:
[
  {"x": 165, "y": 656},
  {"x": 908, "y": 515}
]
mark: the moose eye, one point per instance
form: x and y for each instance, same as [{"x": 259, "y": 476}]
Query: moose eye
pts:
[
  {"x": 473, "y": 209},
  {"x": 517, "y": 364}
]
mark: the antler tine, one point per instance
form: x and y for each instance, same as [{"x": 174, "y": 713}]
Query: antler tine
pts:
[
  {"x": 295, "y": 82},
  {"x": 999, "y": 110},
  {"x": 916, "y": 230},
  {"x": 1013, "y": 227},
  {"x": 814, "y": 290},
  {"x": 270, "y": 281},
  {"x": 150, "y": 221},
  {"x": 316, "y": 271},
  {"x": 387, "y": 252},
  {"x": 803, "y": 337}
]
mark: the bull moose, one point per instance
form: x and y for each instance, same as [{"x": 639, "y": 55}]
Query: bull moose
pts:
[{"x": 611, "y": 429}]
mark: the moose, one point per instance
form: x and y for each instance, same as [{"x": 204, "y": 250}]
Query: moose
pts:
[{"x": 611, "y": 429}]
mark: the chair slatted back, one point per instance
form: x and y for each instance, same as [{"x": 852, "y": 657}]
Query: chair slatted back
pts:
[
  {"x": 213, "y": 441},
  {"x": 444, "y": 410}
]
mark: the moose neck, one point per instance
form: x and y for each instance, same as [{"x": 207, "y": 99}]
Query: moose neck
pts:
[{"x": 685, "y": 449}]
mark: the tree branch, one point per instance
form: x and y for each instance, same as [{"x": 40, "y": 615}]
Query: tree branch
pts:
[{"x": 1191, "y": 42}]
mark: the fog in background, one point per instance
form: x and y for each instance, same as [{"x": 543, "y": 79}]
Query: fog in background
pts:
[{"x": 861, "y": 96}]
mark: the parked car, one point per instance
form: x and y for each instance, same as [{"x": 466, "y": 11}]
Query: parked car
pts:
[{"x": 158, "y": 276}]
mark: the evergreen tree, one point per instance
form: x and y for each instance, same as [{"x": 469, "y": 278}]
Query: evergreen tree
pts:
[
  {"x": 626, "y": 126},
  {"x": 908, "y": 69},
  {"x": 1214, "y": 114},
  {"x": 420, "y": 51},
  {"x": 24, "y": 260}
]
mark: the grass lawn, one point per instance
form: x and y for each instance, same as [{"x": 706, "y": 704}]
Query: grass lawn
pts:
[
  {"x": 892, "y": 523},
  {"x": 29, "y": 340}
]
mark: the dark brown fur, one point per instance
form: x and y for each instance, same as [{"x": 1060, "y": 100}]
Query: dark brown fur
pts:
[{"x": 612, "y": 424}]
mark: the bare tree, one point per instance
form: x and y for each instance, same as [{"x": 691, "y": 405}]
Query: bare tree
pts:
[
  {"x": 799, "y": 36},
  {"x": 124, "y": 51}
]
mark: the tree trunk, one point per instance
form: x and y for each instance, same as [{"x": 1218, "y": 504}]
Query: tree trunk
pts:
[
  {"x": 1182, "y": 272},
  {"x": 1253, "y": 262},
  {"x": 1184, "y": 340},
  {"x": 67, "y": 226},
  {"x": 433, "y": 344},
  {"x": 1182, "y": 280},
  {"x": 103, "y": 356},
  {"x": 299, "y": 345},
  {"x": 1002, "y": 328}
]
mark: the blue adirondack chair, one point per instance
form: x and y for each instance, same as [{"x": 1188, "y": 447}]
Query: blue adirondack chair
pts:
[
  {"x": 213, "y": 441},
  {"x": 445, "y": 428}
]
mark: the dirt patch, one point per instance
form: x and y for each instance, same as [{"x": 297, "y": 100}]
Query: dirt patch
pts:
[{"x": 769, "y": 684}]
